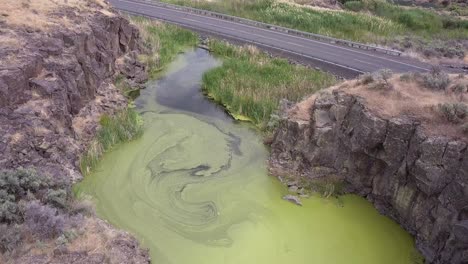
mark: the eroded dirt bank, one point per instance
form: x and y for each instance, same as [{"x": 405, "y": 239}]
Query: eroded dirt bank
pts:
[
  {"x": 57, "y": 63},
  {"x": 413, "y": 169}
]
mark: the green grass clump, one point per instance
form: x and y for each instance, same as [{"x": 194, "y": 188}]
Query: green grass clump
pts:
[
  {"x": 126, "y": 89},
  {"x": 250, "y": 84},
  {"x": 163, "y": 42},
  {"x": 125, "y": 126}
]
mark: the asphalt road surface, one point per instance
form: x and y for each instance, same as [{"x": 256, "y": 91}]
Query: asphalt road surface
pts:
[{"x": 339, "y": 59}]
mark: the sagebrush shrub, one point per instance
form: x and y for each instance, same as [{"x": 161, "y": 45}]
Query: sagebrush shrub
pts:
[
  {"x": 384, "y": 74},
  {"x": 10, "y": 212},
  {"x": 57, "y": 198},
  {"x": 20, "y": 181},
  {"x": 460, "y": 88},
  {"x": 464, "y": 128},
  {"x": 74, "y": 222},
  {"x": 381, "y": 79},
  {"x": 43, "y": 221},
  {"x": 32, "y": 205},
  {"x": 366, "y": 78},
  {"x": 10, "y": 237},
  {"x": 23, "y": 185},
  {"x": 407, "y": 77},
  {"x": 453, "y": 112},
  {"x": 436, "y": 79}
]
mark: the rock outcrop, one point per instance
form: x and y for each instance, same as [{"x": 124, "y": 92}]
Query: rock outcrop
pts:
[
  {"x": 56, "y": 75},
  {"x": 55, "y": 86},
  {"x": 421, "y": 181}
]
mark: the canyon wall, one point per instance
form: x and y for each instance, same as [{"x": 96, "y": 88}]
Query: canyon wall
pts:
[
  {"x": 421, "y": 181},
  {"x": 56, "y": 75},
  {"x": 55, "y": 84}
]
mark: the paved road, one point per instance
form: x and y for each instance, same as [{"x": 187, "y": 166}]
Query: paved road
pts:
[{"x": 345, "y": 61}]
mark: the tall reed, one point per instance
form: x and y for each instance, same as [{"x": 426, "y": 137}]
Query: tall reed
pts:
[{"x": 124, "y": 126}]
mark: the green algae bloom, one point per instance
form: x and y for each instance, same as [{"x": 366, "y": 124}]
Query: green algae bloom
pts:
[{"x": 194, "y": 189}]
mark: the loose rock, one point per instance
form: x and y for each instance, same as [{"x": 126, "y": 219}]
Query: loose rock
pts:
[{"x": 293, "y": 199}]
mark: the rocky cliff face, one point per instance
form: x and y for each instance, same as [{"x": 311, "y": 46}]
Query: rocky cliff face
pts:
[
  {"x": 420, "y": 181},
  {"x": 55, "y": 82},
  {"x": 53, "y": 89}
]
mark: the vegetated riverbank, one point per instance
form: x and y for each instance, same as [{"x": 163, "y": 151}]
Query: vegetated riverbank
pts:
[
  {"x": 415, "y": 30},
  {"x": 398, "y": 141},
  {"x": 250, "y": 83}
]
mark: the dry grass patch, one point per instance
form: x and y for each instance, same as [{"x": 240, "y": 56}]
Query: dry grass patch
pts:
[
  {"x": 421, "y": 97},
  {"x": 95, "y": 238},
  {"x": 319, "y": 5},
  {"x": 301, "y": 111},
  {"x": 10, "y": 41},
  {"x": 39, "y": 14},
  {"x": 441, "y": 109}
]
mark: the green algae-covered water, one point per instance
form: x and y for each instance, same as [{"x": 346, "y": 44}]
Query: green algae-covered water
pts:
[{"x": 194, "y": 189}]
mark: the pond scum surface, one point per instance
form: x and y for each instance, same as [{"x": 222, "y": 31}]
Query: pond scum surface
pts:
[{"x": 194, "y": 189}]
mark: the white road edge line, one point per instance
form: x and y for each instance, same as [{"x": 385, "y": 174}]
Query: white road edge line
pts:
[{"x": 366, "y": 62}]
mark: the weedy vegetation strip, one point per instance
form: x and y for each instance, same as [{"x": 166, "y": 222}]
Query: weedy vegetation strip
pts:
[{"x": 250, "y": 83}]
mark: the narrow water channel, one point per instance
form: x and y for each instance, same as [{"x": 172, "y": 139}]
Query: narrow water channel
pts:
[{"x": 194, "y": 189}]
